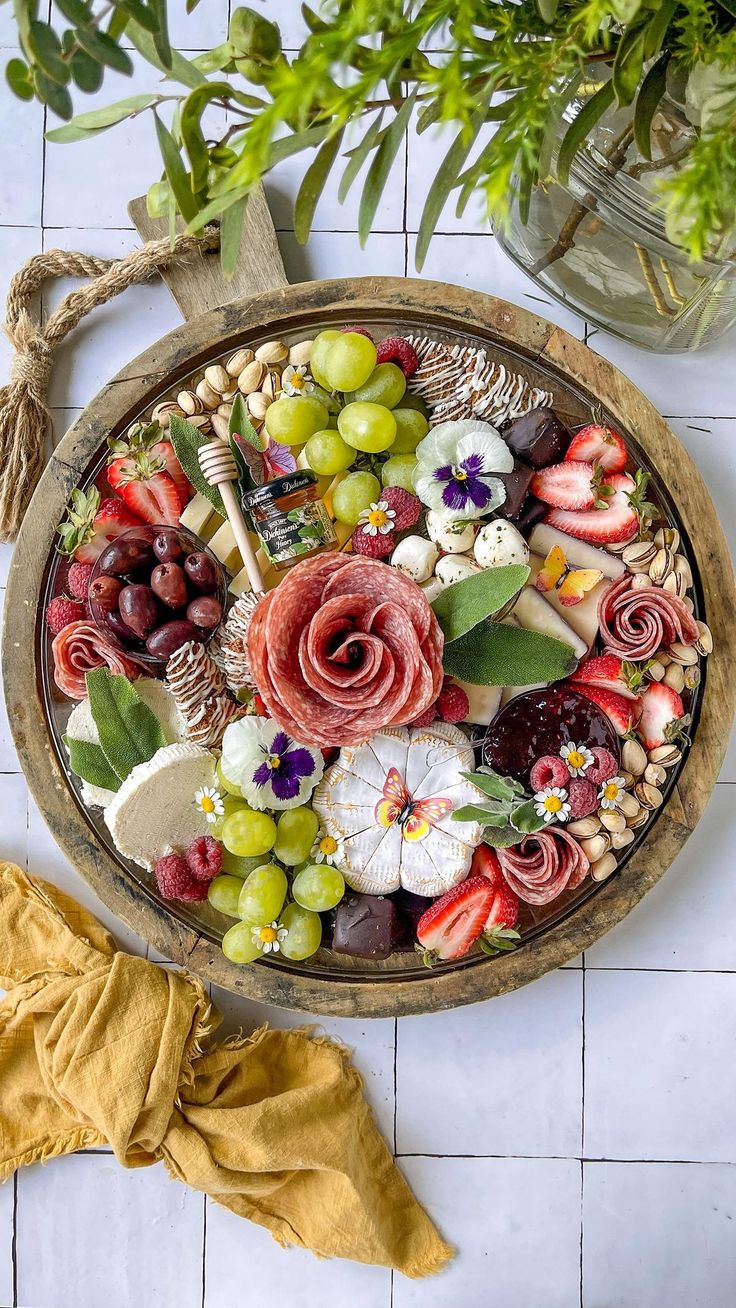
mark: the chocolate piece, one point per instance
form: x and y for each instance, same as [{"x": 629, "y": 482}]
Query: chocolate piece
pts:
[
  {"x": 410, "y": 908},
  {"x": 533, "y": 511},
  {"x": 538, "y": 437},
  {"x": 517, "y": 483},
  {"x": 366, "y": 926}
]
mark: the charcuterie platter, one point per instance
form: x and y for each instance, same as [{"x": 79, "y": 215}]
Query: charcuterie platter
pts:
[{"x": 469, "y": 704}]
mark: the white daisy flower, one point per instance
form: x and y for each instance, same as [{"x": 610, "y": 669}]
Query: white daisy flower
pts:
[
  {"x": 577, "y": 757},
  {"x": 296, "y": 381},
  {"x": 377, "y": 519},
  {"x": 611, "y": 791},
  {"x": 326, "y": 848},
  {"x": 210, "y": 802},
  {"x": 551, "y": 804},
  {"x": 268, "y": 938}
]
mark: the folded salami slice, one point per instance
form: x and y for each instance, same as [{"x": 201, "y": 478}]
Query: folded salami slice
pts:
[
  {"x": 543, "y": 865},
  {"x": 636, "y": 623},
  {"x": 80, "y": 648}
]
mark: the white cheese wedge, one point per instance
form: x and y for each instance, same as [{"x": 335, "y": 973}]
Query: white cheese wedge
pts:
[
  {"x": 579, "y": 553},
  {"x": 200, "y": 518},
  {"x": 510, "y": 692},
  {"x": 535, "y": 614},
  {"x": 82, "y": 726},
  {"x": 154, "y": 809},
  {"x": 582, "y": 617},
  {"x": 224, "y": 547},
  {"x": 483, "y": 702}
]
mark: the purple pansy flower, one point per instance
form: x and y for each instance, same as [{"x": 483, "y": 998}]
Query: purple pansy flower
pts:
[
  {"x": 270, "y": 767},
  {"x": 455, "y": 467}
]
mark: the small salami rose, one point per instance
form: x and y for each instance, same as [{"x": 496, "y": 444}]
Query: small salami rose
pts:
[
  {"x": 543, "y": 865},
  {"x": 80, "y": 648},
  {"x": 635, "y": 624}
]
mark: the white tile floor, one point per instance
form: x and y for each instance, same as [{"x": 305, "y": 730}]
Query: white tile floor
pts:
[{"x": 575, "y": 1140}]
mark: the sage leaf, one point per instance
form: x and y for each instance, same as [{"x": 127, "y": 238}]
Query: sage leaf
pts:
[
  {"x": 502, "y": 837},
  {"x": 465, "y": 604},
  {"x": 87, "y": 760},
  {"x": 186, "y": 440},
  {"x": 493, "y": 785},
  {"x": 129, "y": 732},
  {"x": 497, "y": 655},
  {"x": 526, "y": 819},
  {"x": 478, "y": 813}
]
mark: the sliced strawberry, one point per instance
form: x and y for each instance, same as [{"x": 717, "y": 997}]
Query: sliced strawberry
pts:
[
  {"x": 608, "y": 672},
  {"x": 566, "y": 485},
  {"x": 485, "y": 864},
  {"x": 622, "y": 711},
  {"x": 455, "y": 921},
  {"x": 504, "y": 910},
  {"x": 616, "y": 521},
  {"x": 168, "y": 498},
  {"x": 146, "y": 474},
  {"x": 164, "y": 451},
  {"x": 600, "y": 444},
  {"x": 90, "y": 525},
  {"x": 662, "y": 715}
]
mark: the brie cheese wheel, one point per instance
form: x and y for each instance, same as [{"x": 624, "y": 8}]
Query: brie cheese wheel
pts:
[
  {"x": 154, "y": 809},
  {"x": 390, "y": 804}
]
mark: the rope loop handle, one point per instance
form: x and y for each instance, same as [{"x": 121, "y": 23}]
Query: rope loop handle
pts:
[{"x": 24, "y": 414}]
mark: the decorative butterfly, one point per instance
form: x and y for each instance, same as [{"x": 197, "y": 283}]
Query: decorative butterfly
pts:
[
  {"x": 263, "y": 464},
  {"x": 415, "y": 817},
  {"x": 572, "y": 584}
]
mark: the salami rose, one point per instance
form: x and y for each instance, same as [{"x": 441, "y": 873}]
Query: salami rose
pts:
[
  {"x": 635, "y": 624},
  {"x": 543, "y": 865},
  {"x": 80, "y": 648},
  {"x": 343, "y": 646}
]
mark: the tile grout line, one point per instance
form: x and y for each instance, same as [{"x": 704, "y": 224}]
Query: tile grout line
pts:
[
  {"x": 204, "y": 1250},
  {"x": 582, "y": 1210},
  {"x": 14, "y": 1241}
]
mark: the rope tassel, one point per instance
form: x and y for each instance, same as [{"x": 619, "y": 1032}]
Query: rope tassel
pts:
[{"x": 24, "y": 413}]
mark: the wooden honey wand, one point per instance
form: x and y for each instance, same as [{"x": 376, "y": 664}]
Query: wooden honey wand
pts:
[{"x": 220, "y": 469}]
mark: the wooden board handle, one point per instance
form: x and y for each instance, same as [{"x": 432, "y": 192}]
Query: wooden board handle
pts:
[{"x": 198, "y": 285}]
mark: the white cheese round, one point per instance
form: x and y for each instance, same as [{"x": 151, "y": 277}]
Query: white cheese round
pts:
[
  {"x": 500, "y": 543},
  {"x": 415, "y": 556},
  {"x": 154, "y": 809}
]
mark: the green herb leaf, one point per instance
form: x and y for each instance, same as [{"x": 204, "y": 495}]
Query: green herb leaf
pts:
[
  {"x": 480, "y": 813},
  {"x": 98, "y": 120},
  {"x": 178, "y": 177},
  {"x": 503, "y": 837},
  {"x": 462, "y": 606},
  {"x": 51, "y": 93},
  {"x": 358, "y": 156},
  {"x": 493, "y": 785},
  {"x": 160, "y": 29},
  {"x": 181, "y": 70},
  {"x": 186, "y": 440},
  {"x": 231, "y": 235},
  {"x": 444, "y": 181},
  {"x": 581, "y": 126},
  {"x": 497, "y": 655},
  {"x": 76, "y": 11},
  {"x": 526, "y": 819},
  {"x": 499, "y": 940},
  {"x": 105, "y": 50},
  {"x": 628, "y": 64},
  {"x": 650, "y": 93},
  {"x": 380, "y": 168},
  {"x": 18, "y": 77},
  {"x": 46, "y": 49},
  {"x": 129, "y": 732},
  {"x": 87, "y": 760},
  {"x": 312, "y": 186},
  {"x": 86, "y": 72}
]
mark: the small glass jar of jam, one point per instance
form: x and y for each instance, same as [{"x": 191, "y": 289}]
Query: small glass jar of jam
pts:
[{"x": 290, "y": 518}]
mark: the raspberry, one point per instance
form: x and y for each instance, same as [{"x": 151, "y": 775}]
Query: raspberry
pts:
[
  {"x": 395, "y": 349},
  {"x": 604, "y": 767},
  {"x": 583, "y": 797},
  {"x": 175, "y": 881},
  {"x": 549, "y": 770},
  {"x": 78, "y": 579},
  {"x": 452, "y": 704},
  {"x": 359, "y": 331},
  {"x": 61, "y": 611},
  {"x": 373, "y": 547},
  {"x": 405, "y": 505},
  {"x": 204, "y": 857},
  {"x": 426, "y": 718}
]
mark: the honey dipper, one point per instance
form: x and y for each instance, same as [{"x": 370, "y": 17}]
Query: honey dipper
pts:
[{"x": 220, "y": 469}]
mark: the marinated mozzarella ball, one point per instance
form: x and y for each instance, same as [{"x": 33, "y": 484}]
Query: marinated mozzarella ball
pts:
[
  {"x": 432, "y": 588},
  {"x": 415, "y": 557},
  {"x": 452, "y": 537},
  {"x": 499, "y": 543},
  {"x": 455, "y": 567}
]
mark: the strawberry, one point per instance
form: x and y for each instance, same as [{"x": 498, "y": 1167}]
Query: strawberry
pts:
[
  {"x": 485, "y": 864},
  {"x": 165, "y": 451},
  {"x": 566, "y": 485},
  {"x": 623, "y": 712},
  {"x": 455, "y": 921},
  {"x": 663, "y": 717},
  {"x": 599, "y": 443},
  {"x": 617, "y": 521},
  {"x": 90, "y": 525},
  {"x": 499, "y": 934},
  {"x": 147, "y": 475},
  {"x": 609, "y": 672}
]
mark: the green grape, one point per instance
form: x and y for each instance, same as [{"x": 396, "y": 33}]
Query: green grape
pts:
[
  {"x": 386, "y": 385},
  {"x": 304, "y": 932},
  {"x": 223, "y": 893},
  {"x": 326, "y": 453},
  {"x": 239, "y": 867},
  {"x": 412, "y": 401},
  {"x": 248, "y": 833},
  {"x": 231, "y": 804},
  {"x": 318, "y": 887},
  {"x": 238, "y": 944},
  {"x": 321, "y": 347},
  {"x": 292, "y": 419},
  {"x": 348, "y": 362},
  {"x": 225, "y": 783},
  {"x": 355, "y": 493},
  {"x": 399, "y": 471},
  {"x": 411, "y": 428},
  {"x": 368, "y": 427},
  {"x": 262, "y": 895},
  {"x": 295, "y": 833}
]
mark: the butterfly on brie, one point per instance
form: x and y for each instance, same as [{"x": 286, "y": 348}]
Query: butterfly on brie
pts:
[
  {"x": 572, "y": 584},
  {"x": 414, "y": 817}
]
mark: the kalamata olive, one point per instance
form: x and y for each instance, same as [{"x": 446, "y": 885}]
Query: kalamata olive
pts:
[
  {"x": 170, "y": 584},
  {"x": 119, "y": 628},
  {"x": 139, "y": 609},
  {"x": 201, "y": 571},
  {"x": 165, "y": 640},
  {"x": 205, "y": 611},
  {"x": 126, "y": 555},
  {"x": 104, "y": 592},
  {"x": 167, "y": 547}
]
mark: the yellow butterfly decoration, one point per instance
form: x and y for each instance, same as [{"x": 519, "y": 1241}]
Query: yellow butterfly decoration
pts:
[
  {"x": 572, "y": 584},
  {"x": 415, "y": 817}
]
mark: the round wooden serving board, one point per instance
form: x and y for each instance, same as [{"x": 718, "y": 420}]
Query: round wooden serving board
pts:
[{"x": 538, "y": 346}]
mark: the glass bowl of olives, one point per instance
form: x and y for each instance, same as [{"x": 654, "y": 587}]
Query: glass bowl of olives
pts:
[{"x": 153, "y": 589}]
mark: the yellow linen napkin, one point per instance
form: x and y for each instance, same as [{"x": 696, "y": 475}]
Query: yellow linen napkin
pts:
[{"x": 97, "y": 1045}]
